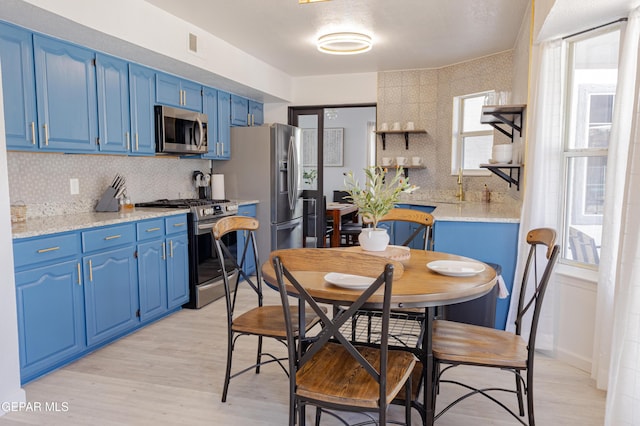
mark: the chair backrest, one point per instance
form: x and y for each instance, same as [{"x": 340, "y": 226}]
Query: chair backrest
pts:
[
  {"x": 287, "y": 262},
  {"x": 538, "y": 274},
  {"x": 583, "y": 247},
  {"x": 422, "y": 219},
  {"x": 226, "y": 257},
  {"x": 341, "y": 197}
]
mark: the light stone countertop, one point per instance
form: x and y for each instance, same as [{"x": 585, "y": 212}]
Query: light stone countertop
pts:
[
  {"x": 471, "y": 211},
  {"x": 71, "y": 222},
  {"x": 246, "y": 202}
]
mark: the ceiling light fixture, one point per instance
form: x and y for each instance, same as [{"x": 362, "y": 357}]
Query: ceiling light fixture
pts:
[{"x": 347, "y": 43}]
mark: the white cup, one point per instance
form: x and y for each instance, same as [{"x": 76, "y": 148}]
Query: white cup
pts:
[
  {"x": 401, "y": 161},
  {"x": 502, "y": 153},
  {"x": 409, "y": 125},
  {"x": 395, "y": 126},
  {"x": 491, "y": 98},
  {"x": 384, "y": 127},
  {"x": 504, "y": 97},
  {"x": 386, "y": 161},
  {"x": 416, "y": 161}
]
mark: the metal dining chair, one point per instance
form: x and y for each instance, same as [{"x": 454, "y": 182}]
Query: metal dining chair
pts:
[
  {"x": 328, "y": 370},
  {"x": 260, "y": 321},
  {"x": 457, "y": 344}
]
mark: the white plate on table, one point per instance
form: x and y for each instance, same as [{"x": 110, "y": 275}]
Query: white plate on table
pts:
[
  {"x": 456, "y": 268},
  {"x": 352, "y": 282}
]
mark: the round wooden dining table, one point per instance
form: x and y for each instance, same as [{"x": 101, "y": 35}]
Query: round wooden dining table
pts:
[{"x": 417, "y": 286}]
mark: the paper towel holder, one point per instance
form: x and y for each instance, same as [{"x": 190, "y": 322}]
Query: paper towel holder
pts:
[{"x": 217, "y": 187}]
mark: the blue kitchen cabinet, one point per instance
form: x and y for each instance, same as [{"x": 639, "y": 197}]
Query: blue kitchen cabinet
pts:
[
  {"x": 177, "y": 261},
  {"x": 152, "y": 270},
  {"x": 239, "y": 111},
  {"x": 19, "y": 87},
  {"x": 110, "y": 282},
  {"x": 256, "y": 113},
  {"x": 243, "y": 239},
  {"x": 218, "y": 148},
  {"x": 492, "y": 242},
  {"x": 142, "y": 95},
  {"x": 224, "y": 123},
  {"x": 174, "y": 91},
  {"x": 49, "y": 302},
  {"x": 114, "y": 117},
  {"x": 66, "y": 96}
]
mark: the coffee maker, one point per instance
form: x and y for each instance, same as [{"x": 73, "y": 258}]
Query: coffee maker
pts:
[{"x": 203, "y": 184}]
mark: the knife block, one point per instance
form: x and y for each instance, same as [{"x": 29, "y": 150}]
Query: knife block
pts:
[{"x": 108, "y": 202}]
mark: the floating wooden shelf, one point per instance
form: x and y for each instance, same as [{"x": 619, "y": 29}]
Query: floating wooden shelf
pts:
[{"x": 406, "y": 134}]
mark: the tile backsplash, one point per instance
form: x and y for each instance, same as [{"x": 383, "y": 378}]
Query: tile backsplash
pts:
[{"x": 41, "y": 180}]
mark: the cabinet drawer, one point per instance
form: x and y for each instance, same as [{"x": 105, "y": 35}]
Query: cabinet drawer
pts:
[
  {"x": 44, "y": 249},
  {"x": 176, "y": 224},
  {"x": 104, "y": 238},
  {"x": 149, "y": 229},
  {"x": 247, "y": 210}
]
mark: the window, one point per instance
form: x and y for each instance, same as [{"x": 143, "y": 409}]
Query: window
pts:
[
  {"x": 592, "y": 72},
  {"x": 472, "y": 140}
]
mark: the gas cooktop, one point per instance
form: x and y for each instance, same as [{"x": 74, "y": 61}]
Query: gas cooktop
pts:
[{"x": 202, "y": 209}]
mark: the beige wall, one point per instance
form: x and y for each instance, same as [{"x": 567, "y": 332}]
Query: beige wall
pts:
[{"x": 425, "y": 97}]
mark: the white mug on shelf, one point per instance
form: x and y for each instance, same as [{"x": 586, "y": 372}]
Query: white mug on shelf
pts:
[
  {"x": 395, "y": 126},
  {"x": 416, "y": 161},
  {"x": 386, "y": 161},
  {"x": 401, "y": 161},
  {"x": 409, "y": 125},
  {"x": 384, "y": 127}
]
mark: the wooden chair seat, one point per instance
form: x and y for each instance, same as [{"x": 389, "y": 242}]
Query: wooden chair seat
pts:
[
  {"x": 348, "y": 383},
  {"x": 455, "y": 342},
  {"x": 269, "y": 321}
]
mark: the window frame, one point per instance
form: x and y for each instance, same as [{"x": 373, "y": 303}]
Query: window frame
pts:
[
  {"x": 459, "y": 135},
  {"x": 573, "y": 113}
]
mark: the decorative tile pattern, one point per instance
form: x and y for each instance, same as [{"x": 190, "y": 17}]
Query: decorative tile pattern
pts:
[
  {"x": 426, "y": 98},
  {"x": 41, "y": 181}
]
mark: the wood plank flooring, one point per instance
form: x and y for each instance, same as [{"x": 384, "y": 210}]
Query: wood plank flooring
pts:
[{"x": 171, "y": 373}]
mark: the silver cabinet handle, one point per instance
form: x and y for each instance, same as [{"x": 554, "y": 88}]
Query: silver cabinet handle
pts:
[
  {"x": 178, "y": 224},
  {"x": 33, "y": 133},
  {"x": 164, "y": 251},
  {"x": 170, "y": 248},
  {"x": 46, "y": 134},
  {"x": 136, "y": 141},
  {"x": 112, "y": 237},
  {"x": 48, "y": 249},
  {"x": 90, "y": 271},
  {"x": 126, "y": 134},
  {"x": 152, "y": 229},
  {"x": 79, "y": 276}
]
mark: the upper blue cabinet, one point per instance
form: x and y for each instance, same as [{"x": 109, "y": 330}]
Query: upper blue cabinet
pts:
[
  {"x": 16, "y": 55},
  {"x": 66, "y": 93},
  {"x": 174, "y": 91},
  {"x": 239, "y": 111},
  {"x": 114, "y": 116},
  {"x": 142, "y": 90},
  {"x": 245, "y": 112},
  {"x": 256, "y": 113}
]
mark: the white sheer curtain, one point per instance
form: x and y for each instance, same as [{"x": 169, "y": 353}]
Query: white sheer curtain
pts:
[
  {"x": 616, "y": 181},
  {"x": 543, "y": 171},
  {"x": 617, "y": 344}
]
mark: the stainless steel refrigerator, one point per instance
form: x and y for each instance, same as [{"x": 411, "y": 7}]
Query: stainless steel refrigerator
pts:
[{"x": 266, "y": 165}]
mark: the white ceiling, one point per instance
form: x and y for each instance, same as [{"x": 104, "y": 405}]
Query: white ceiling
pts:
[{"x": 408, "y": 34}]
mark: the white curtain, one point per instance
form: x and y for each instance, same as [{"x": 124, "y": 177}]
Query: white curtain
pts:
[
  {"x": 617, "y": 345},
  {"x": 543, "y": 171}
]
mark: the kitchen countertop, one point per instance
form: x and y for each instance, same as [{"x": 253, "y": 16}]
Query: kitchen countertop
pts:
[
  {"x": 71, "y": 222},
  {"x": 471, "y": 211}
]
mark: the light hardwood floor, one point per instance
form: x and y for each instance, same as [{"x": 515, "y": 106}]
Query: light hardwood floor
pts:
[{"x": 171, "y": 373}]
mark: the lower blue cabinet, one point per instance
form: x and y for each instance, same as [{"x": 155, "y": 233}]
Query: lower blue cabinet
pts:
[
  {"x": 243, "y": 239},
  {"x": 50, "y": 316},
  {"x": 110, "y": 294},
  {"x": 77, "y": 291}
]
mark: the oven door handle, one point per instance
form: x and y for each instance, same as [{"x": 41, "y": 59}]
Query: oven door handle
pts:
[{"x": 207, "y": 226}]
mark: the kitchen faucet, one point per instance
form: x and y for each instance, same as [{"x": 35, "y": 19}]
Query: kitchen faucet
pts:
[{"x": 460, "y": 192}]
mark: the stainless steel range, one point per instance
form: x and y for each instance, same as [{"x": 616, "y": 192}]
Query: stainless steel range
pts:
[{"x": 205, "y": 270}]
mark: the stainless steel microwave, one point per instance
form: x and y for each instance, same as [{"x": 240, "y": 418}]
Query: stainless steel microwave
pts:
[{"x": 180, "y": 131}]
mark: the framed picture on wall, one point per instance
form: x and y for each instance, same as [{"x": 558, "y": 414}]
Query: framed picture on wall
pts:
[{"x": 333, "y": 147}]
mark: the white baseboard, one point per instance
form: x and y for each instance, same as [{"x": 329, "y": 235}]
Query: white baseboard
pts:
[{"x": 574, "y": 360}]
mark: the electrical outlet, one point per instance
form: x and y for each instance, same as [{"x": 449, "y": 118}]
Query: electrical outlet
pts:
[{"x": 74, "y": 186}]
